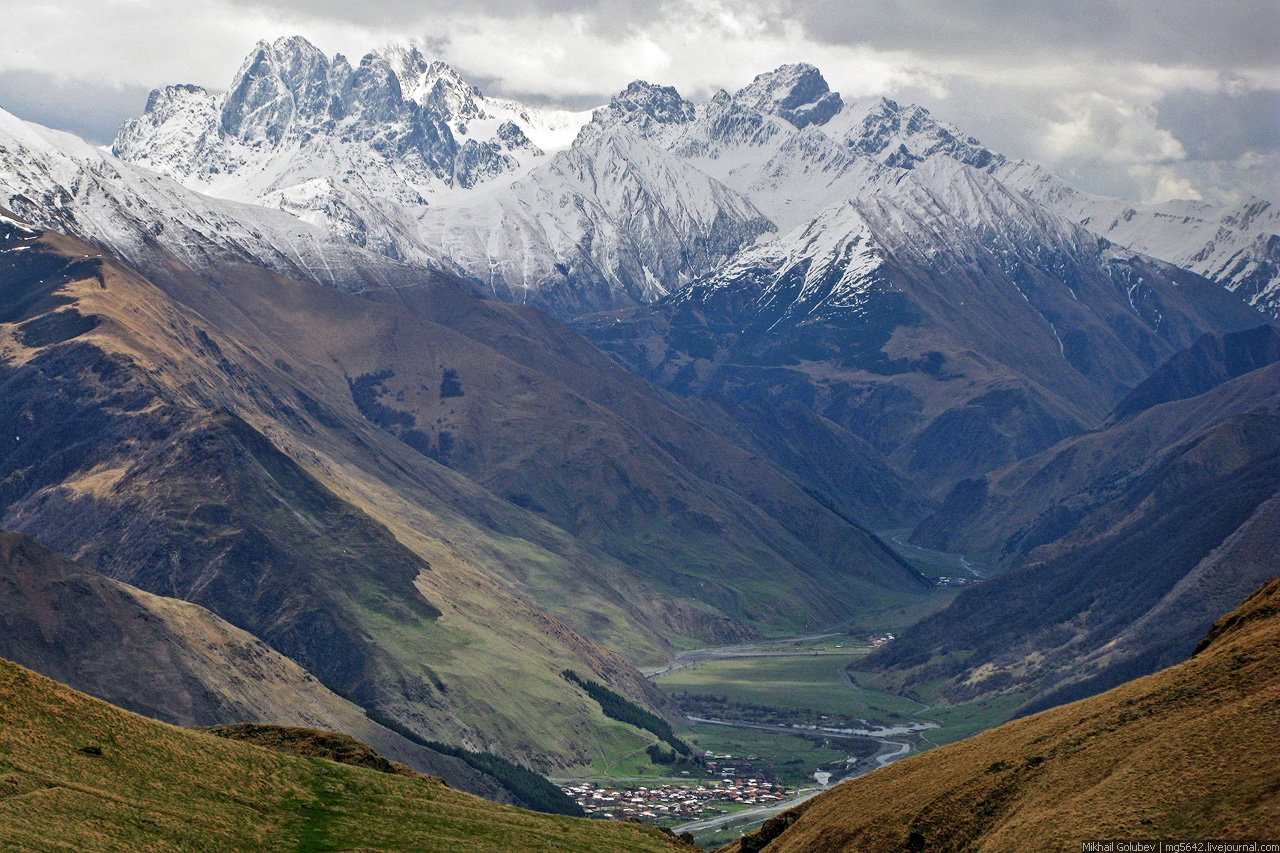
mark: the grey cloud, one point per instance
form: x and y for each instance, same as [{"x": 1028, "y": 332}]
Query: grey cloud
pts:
[
  {"x": 1230, "y": 34},
  {"x": 90, "y": 110},
  {"x": 1232, "y": 141},
  {"x": 493, "y": 87},
  {"x": 1219, "y": 126},
  {"x": 606, "y": 15}
]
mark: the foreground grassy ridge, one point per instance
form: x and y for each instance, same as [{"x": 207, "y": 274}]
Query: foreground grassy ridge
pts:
[
  {"x": 1187, "y": 753},
  {"x": 159, "y": 788}
]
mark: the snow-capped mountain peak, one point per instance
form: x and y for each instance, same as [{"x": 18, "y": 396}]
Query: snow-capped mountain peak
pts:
[
  {"x": 435, "y": 84},
  {"x": 336, "y": 144},
  {"x": 644, "y": 105},
  {"x": 277, "y": 85},
  {"x": 797, "y": 93},
  {"x": 904, "y": 136}
]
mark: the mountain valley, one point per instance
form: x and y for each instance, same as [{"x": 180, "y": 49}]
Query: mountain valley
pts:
[
  {"x": 351, "y": 400},
  {"x": 166, "y": 405}
]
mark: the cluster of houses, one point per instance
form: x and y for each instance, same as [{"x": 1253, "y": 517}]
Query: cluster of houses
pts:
[
  {"x": 728, "y": 766},
  {"x": 877, "y": 642},
  {"x": 945, "y": 581},
  {"x": 677, "y": 802}
]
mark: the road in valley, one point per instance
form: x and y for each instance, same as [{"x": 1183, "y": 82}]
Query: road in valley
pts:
[
  {"x": 960, "y": 559},
  {"x": 750, "y": 816}
]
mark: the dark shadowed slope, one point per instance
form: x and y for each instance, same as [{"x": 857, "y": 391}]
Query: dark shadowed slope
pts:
[
  {"x": 174, "y": 661},
  {"x": 1201, "y": 367},
  {"x": 1123, "y": 542},
  {"x": 701, "y": 436}
]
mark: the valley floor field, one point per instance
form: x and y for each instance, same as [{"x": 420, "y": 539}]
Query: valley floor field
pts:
[
  {"x": 792, "y": 711},
  {"x": 801, "y": 717}
]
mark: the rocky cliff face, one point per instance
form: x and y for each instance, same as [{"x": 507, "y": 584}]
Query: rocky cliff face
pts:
[
  {"x": 290, "y": 108},
  {"x": 797, "y": 93}
]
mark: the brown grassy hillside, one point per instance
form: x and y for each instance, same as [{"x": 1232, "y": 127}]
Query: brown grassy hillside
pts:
[
  {"x": 77, "y": 774},
  {"x": 1190, "y": 752}
]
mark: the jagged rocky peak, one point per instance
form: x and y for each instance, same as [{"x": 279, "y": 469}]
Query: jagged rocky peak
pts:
[
  {"x": 290, "y": 85},
  {"x": 434, "y": 84},
  {"x": 278, "y": 83},
  {"x": 447, "y": 92},
  {"x": 304, "y": 69},
  {"x": 905, "y": 135},
  {"x": 171, "y": 100},
  {"x": 372, "y": 91},
  {"x": 797, "y": 93},
  {"x": 645, "y": 104},
  {"x": 182, "y": 117},
  {"x": 391, "y": 125},
  {"x": 731, "y": 122},
  {"x": 513, "y": 138},
  {"x": 410, "y": 66}
]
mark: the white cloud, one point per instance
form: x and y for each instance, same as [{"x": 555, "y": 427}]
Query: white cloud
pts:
[
  {"x": 1163, "y": 183},
  {"x": 1094, "y": 126}
]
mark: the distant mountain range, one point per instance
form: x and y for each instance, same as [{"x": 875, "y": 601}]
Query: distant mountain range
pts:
[{"x": 590, "y": 211}]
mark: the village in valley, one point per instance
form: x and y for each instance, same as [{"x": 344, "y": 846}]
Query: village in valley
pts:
[{"x": 677, "y": 801}]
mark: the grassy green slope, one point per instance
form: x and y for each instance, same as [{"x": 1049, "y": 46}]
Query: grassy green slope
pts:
[{"x": 161, "y": 788}]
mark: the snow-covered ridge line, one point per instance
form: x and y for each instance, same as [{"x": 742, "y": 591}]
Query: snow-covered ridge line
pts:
[
  {"x": 58, "y": 181},
  {"x": 1237, "y": 246},
  {"x": 581, "y": 212}
]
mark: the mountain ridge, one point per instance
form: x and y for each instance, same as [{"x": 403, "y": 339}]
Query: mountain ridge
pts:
[{"x": 1117, "y": 542}]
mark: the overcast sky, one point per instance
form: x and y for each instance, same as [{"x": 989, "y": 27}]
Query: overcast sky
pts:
[{"x": 1145, "y": 99}]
